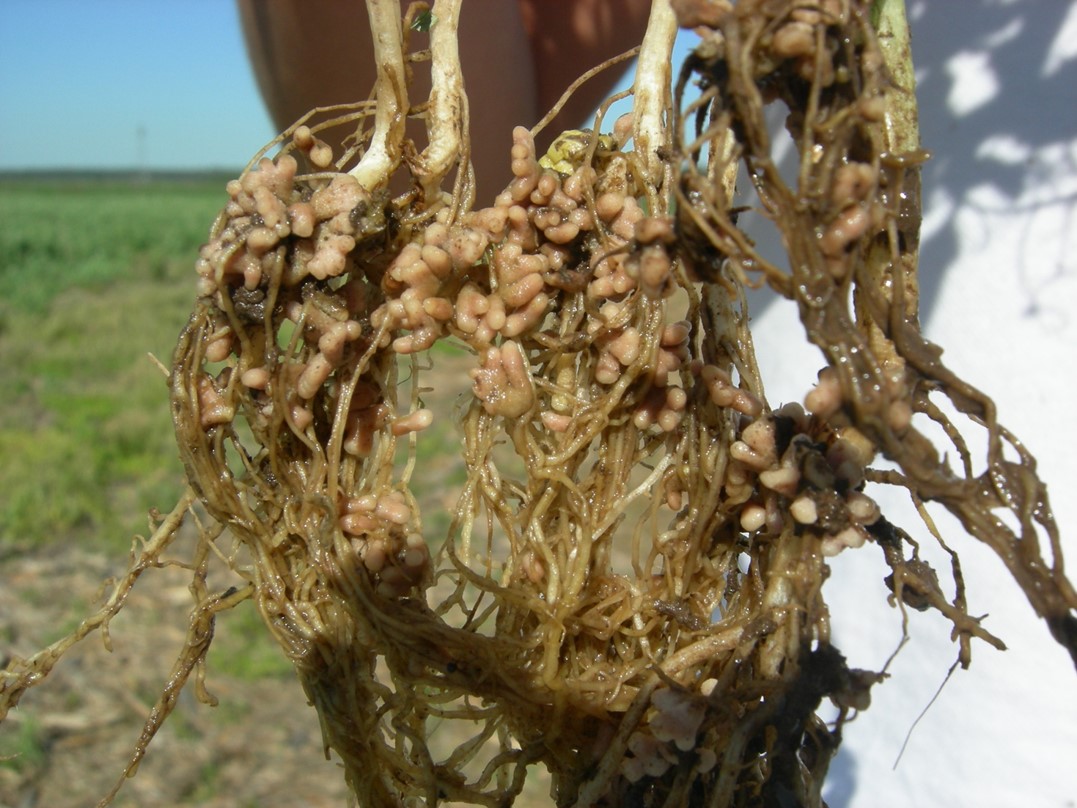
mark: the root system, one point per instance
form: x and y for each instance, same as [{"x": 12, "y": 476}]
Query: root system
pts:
[{"x": 630, "y": 593}]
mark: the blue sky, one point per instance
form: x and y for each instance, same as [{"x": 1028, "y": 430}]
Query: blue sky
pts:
[
  {"x": 80, "y": 79},
  {"x": 127, "y": 84}
]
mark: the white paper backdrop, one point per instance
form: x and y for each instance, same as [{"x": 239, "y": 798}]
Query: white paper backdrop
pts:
[{"x": 997, "y": 84}]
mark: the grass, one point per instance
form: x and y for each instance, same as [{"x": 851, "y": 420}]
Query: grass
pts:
[
  {"x": 93, "y": 275},
  {"x": 24, "y": 750},
  {"x": 89, "y": 233},
  {"x": 244, "y": 650}
]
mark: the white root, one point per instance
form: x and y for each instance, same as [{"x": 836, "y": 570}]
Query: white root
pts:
[
  {"x": 391, "y": 92},
  {"x": 653, "y": 100},
  {"x": 447, "y": 111}
]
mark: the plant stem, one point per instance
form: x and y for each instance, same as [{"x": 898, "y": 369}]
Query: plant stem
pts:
[
  {"x": 391, "y": 93},
  {"x": 653, "y": 101},
  {"x": 897, "y": 269},
  {"x": 447, "y": 111},
  {"x": 902, "y": 116}
]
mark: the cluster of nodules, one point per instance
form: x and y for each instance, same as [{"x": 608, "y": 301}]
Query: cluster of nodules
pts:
[
  {"x": 559, "y": 252},
  {"x": 789, "y": 33},
  {"x": 796, "y": 38},
  {"x": 791, "y": 37},
  {"x": 550, "y": 286},
  {"x": 294, "y": 309},
  {"x": 854, "y": 213},
  {"x": 378, "y": 529},
  {"x": 290, "y": 303},
  {"x": 804, "y": 467},
  {"x": 670, "y": 736},
  {"x": 267, "y": 209}
]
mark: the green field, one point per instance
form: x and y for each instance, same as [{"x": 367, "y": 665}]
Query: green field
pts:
[{"x": 95, "y": 273}]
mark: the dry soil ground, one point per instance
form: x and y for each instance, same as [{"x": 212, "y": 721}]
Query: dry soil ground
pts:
[{"x": 74, "y": 733}]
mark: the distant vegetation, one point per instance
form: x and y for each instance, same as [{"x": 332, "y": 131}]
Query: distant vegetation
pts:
[{"x": 95, "y": 271}]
